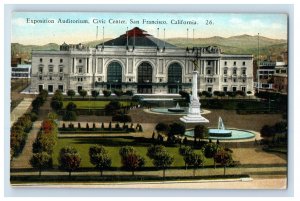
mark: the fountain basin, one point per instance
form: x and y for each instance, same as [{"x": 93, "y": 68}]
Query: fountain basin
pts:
[
  {"x": 175, "y": 109},
  {"x": 236, "y": 134},
  {"x": 219, "y": 133}
]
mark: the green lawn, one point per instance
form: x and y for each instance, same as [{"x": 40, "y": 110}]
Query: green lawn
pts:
[
  {"x": 92, "y": 104},
  {"x": 113, "y": 144}
]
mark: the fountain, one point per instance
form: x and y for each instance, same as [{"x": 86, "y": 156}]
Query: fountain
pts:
[
  {"x": 194, "y": 115},
  {"x": 220, "y": 131},
  {"x": 176, "y": 109}
]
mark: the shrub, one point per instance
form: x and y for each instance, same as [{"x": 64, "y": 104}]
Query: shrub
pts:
[
  {"x": 71, "y": 93},
  {"x": 118, "y": 92},
  {"x": 106, "y": 93},
  {"x": 129, "y": 93},
  {"x": 71, "y": 106},
  {"x": 70, "y": 116},
  {"x": 122, "y": 118}
]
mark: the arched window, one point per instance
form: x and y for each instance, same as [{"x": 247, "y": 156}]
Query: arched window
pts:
[
  {"x": 114, "y": 75},
  {"x": 174, "y": 78},
  {"x": 145, "y": 78}
]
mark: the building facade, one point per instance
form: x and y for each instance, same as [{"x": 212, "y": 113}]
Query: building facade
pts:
[
  {"x": 21, "y": 71},
  {"x": 142, "y": 63}
]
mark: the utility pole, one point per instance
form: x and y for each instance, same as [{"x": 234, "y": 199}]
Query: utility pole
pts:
[{"x": 258, "y": 63}]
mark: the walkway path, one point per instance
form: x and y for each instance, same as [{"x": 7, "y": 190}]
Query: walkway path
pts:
[
  {"x": 20, "y": 110},
  {"x": 22, "y": 161}
]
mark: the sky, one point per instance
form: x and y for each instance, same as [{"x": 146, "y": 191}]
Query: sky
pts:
[{"x": 48, "y": 29}]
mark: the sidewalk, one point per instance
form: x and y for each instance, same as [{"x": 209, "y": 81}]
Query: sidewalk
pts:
[
  {"x": 20, "y": 110},
  {"x": 22, "y": 161}
]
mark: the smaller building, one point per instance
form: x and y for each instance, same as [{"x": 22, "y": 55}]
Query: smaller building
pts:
[
  {"x": 281, "y": 77},
  {"x": 21, "y": 71}
]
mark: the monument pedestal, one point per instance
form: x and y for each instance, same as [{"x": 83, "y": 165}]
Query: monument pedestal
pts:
[{"x": 194, "y": 115}]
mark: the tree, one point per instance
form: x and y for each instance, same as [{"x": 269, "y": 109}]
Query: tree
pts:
[
  {"x": 177, "y": 129},
  {"x": 194, "y": 160},
  {"x": 118, "y": 92},
  {"x": 83, "y": 93},
  {"x": 133, "y": 161},
  {"x": 125, "y": 150},
  {"x": 71, "y": 106},
  {"x": 200, "y": 131},
  {"x": 95, "y": 93},
  {"x": 71, "y": 93},
  {"x": 224, "y": 158},
  {"x": 163, "y": 160},
  {"x": 129, "y": 93},
  {"x": 99, "y": 158},
  {"x": 70, "y": 116},
  {"x": 210, "y": 151},
  {"x": 112, "y": 107},
  {"x": 155, "y": 150},
  {"x": 185, "y": 95},
  {"x": 267, "y": 131},
  {"x": 69, "y": 159},
  {"x": 184, "y": 151},
  {"x": 56, "y": 105},
  {"x": 162, "y": 127},
  {"x": 130, "y": 159},
  {"x": 106, "y": 93},
  {"x": 41, "y": 161}
]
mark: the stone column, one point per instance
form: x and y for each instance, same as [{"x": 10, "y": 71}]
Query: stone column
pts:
[{"x": 194, "y": 85}]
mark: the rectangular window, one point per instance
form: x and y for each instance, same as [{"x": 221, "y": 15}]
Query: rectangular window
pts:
[
  {"x": 244, "y": 72},
  {"x": 244, "y": 63},
  {"x": 225, "y": 89},
  {"x": 60, "y": 78},
  {"x": 50, "y": 78},
  {"x": 41, "y": 60},
  {"x": 50, "y": 69},
  {"x": 80, "y": 60},
  {"x": 61, "y": 60},
  {"x": 225, "y": 63},
  {"x": 244, "y": 89},
  {"x": 50, "y": 88},
  {"x": 225, "y": 72},
  {"x": 41, "y": 78},
  {"x": 234, "y": 72},
  {"x": 225, "y": 79},
  {"x": 79, "y": 70},
  {"x": 40, "y": 69},
  {"x": 51, "y": 60},
  {"x": 208, "y": 71},
  {"x": 208, "y": 63},
  {"x": 41, "y": 87},
  {"x": 61, "y": 88},
  {"x": 234, "y": 63},
  {"x": 234, "y": 79},
  {"x": 61, "y": 69},
  {"x": 99, "y": 79},
  {"x": 209, "y": 89},
  {"x": 233, "y": 88}
]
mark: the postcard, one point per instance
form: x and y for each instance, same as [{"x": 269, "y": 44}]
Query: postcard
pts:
[{"x": 151, "y": 100}]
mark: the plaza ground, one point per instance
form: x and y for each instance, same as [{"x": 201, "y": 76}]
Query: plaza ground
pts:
[{"x": 250, "y": 155}]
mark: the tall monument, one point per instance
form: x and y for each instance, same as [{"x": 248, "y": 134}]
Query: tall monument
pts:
[{"x": 194, "y": 115}]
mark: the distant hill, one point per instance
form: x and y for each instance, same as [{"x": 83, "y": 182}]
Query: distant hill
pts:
[{"x": 242, "y": 44}]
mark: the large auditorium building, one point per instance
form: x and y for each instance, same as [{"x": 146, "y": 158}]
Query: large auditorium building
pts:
[{"x": 140, "y": 62}]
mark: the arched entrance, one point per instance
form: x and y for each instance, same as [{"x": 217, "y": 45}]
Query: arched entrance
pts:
[
  {"x": 114, "y": 76},
  {"x": 174, "y": 78},
  {"x": 145, "y": 78}
]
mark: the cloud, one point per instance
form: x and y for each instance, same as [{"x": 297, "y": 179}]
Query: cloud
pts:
[{"x": 236, "y": 21}]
